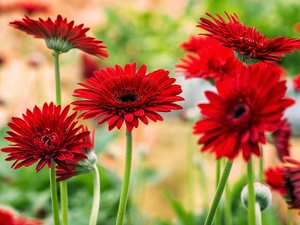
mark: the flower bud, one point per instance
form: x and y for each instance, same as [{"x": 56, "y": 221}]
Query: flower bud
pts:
[{"x": 263, "y": 195}]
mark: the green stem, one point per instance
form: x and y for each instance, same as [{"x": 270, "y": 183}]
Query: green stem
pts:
[
  {"x": 54, "y": 198},
  {"x": 63, "y": 184},
  {"x": 96, "y": 197},
  {"x": 257, "y": 213},
  {"x": 125, "y": 187},
  {"x": 228, "y": 205},
  {"x": 290, "y": 217},
  {"x": 218, "y": 175},
  {"x": 261, "y": 167},
  {"x": 57, "y": 78},
  {"x": 251, "y": 194},
  {"x": 64, "y": 202},
  {"x": 219, "y": 192}
]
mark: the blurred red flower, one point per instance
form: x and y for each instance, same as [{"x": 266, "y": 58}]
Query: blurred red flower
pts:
[
  {"x": 10, "y": 217},
  {"x": 249, "y": 44},
  {"x": 28, "y": 7},
  {"x": 274, "y": 178},
  {"x": 286, "y": 180},
  {"x": 296, "y": 82},
  {"x": 79, "y": 166},
  {"x": 281, "y": 137},
  {"x": 210, "y": 61},
  {"x": 243, "y": 109},
  {"x": 61, "y": 35},
  {"x": 88, "y": 66},
  {"x": 45, "y": 135},
  {"x": 117, "y": 95}
]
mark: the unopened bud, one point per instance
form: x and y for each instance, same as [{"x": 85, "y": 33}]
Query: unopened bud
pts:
[{"x": 263, "y": 195}]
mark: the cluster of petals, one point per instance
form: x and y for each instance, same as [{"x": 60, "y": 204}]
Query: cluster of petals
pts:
[
  {"x": 247, "y": 41},
  {"x": 79, "y": 166},
  {"x": 10, "y": 217},
  {"x": 207, "y": 59},
  {"x": 286, "y": 180},
  {"x": 296, "y": 82},
  {"x": 245, "y": 107},
  {"x": 117, "y": 95},
  {"x": 61, "y": 35},
  {"x": 45, "y": 135},
  {"x": 281, "y": 139}
]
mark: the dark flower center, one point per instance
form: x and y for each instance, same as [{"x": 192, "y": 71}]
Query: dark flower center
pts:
[
  {"x": 239, "y": 111},
  {"x": 46, "y": 140},
  {"x": 128, "y": 98}
]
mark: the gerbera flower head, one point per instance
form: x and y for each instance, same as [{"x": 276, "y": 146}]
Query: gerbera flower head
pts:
[
  {"x": 248, "y": 44},
  {"x": 44, "y": 135},
  {"x": 88, "y": 66},
  {"x": 243, "y": 109},
  {"x": 296, "y": 82},
  {"x": 274, "y": 177},
  {"x": 118, "y": 95},
  {"x": 281, "y": 137},
  {"x": 61, "y": 35},
  {"x": 285, "y": 180},
  {"x": 211, "y": 61},
  {"x": 79, "y": 166},
  {"x": 28, "y": 7},
  {"x": 10, "y": 217}
]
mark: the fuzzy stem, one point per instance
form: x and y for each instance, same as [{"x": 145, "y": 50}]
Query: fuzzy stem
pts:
[
  {"x": 219, "y": 192},
  {"x": 96, "y": 197},
  {"x": 54, "y": 198},
  {"x": 125, "y": 187},
  {"x": 251, "y": 194}
]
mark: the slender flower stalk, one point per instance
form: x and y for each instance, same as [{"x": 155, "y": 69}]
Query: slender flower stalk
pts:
[
  {"x": 257, "y": 214},
  {"x": 219, "y": 192},
  {"x": 228, "y": 216},
  {"x": 63, "y": 184},
  {"x": 125, "y": 187},
  {"x": 54, "y": 198},
  {"x": 289, "y": 217},
  {"x": 251, "y": 195},
  {"x": 96, "y": 197},
  {"x": 218, "y": 175},
  {"x": 261, "y": 167}
]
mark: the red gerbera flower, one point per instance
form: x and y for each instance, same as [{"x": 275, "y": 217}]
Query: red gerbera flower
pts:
[
  {"x": 248, "y": 44},
  {"x": 10, "y": 217},
  {"x": 245, "y": 107},
  {"x": 296, "y": 82},
  {"x": 77, "y": 166},
  {"x": 211, "y": 61},
  {"x": 195, "y": 44},
  {"x": 61, "y": 35},
  {"x": 117, "y": 95},
  {"x": 28, "y": 7},
  {"x": 88, "y": 66},
  {"x": 281, "y": 137},
  {"x": 45, "y": 135},
  {"x": 286, "y": 180},
  {"x": 275, "y": 179}
]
